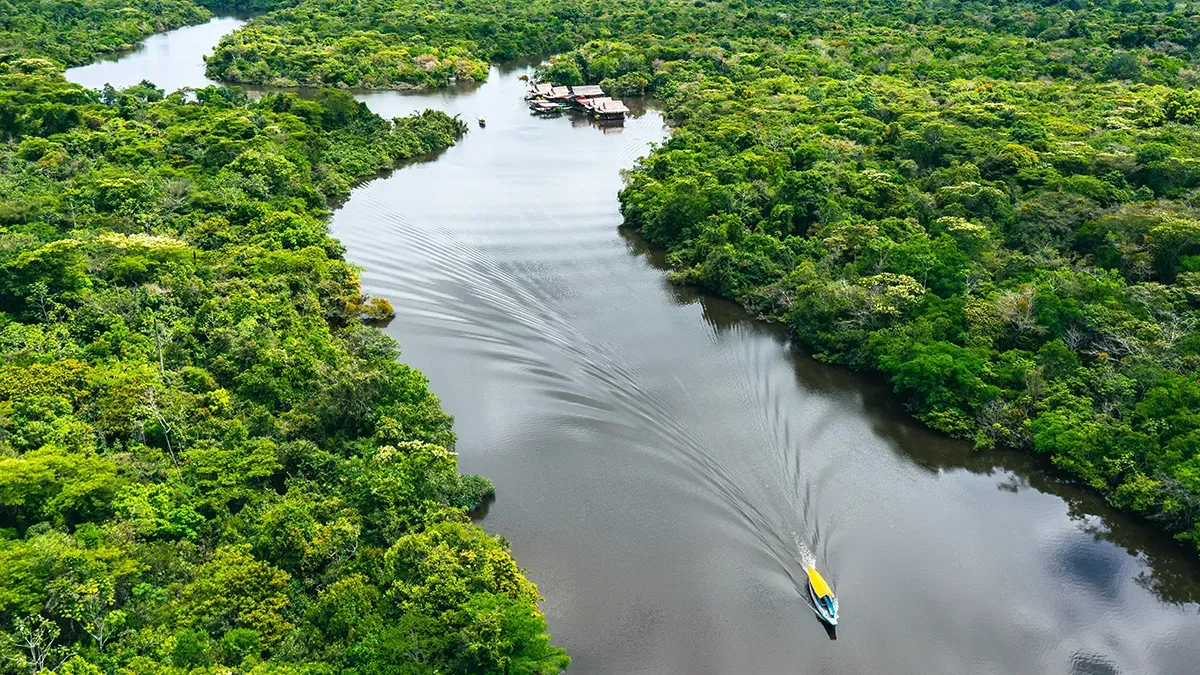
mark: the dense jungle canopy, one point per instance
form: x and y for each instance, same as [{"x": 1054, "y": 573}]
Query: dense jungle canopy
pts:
[
  {"x": 993, "y": 204},
  {"x": 208, "y": 461}
]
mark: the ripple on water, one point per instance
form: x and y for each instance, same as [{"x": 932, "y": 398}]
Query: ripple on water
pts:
[{"x": 1092, "y": 664}]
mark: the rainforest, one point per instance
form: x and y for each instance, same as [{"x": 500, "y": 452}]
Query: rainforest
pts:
[
  {"x": 210, "y": 458},
  {"x": 994, "y": 205},
  {"x": 207, "y": 459}
]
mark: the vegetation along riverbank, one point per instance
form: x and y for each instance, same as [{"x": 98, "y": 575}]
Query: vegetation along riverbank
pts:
[
  {"x": 75, "y": 32},
  {"x": 996, "y": 205},
  {"x": 207, "y": 460}
]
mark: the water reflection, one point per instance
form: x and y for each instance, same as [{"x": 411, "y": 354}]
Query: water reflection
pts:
[
  {"x": 1170, "y": 573},
  {"x": 170, "y": 60}
]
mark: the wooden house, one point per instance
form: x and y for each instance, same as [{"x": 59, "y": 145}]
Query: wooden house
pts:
[
  {"x": 541, "y": 90},
  {"x": 611, "y": 109}
]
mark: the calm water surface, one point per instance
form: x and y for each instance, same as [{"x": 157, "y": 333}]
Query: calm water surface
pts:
[
  {"x": 171, "y": 60},
  {"x": 662, "y": 461}
]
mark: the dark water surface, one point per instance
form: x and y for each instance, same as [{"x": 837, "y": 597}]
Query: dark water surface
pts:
[{"x": 662, "y": 461}]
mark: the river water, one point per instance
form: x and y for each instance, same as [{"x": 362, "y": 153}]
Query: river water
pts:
[{"x": 662, "y": 461}]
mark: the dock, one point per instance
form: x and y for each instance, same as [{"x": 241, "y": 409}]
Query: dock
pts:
[{"x": 547, "y": 99}]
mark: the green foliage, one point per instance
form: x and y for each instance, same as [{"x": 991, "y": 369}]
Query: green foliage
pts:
[
  {"x": 505, "y": 637},
  {"x": 207, "y": 461},
  {"x": 383, "y": 45},
  {"x": 190, "y": 650},
  {"x": 1002, "y": 217},
  {"x": 433, "y": 42},
  {"x": 471, "y": 491},
  {"x": 240, "y": 644},
  {"x": 74, "y": 32}
]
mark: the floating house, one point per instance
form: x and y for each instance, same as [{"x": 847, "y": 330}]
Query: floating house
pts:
[
  {"x": 605, "y": 108},
  {"x": 611, "y": 110},
  {"x": 545, "y": 99}
]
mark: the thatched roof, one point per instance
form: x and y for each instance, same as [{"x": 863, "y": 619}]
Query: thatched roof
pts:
[
  {"x": 587, "y": 90},
  {"x": 611, "y": 107}
]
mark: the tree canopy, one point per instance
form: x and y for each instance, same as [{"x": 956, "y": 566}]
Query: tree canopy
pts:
[
  {"x": 207, "y": 459},
  {"x": 995, "y": 204}
]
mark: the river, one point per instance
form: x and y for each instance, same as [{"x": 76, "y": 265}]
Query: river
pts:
[{"x": 661, "y": 460}]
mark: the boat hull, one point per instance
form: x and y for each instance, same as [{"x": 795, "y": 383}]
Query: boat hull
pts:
[
  {"x": 820, "y": 609},
  {"x": 824, "y": 601}
]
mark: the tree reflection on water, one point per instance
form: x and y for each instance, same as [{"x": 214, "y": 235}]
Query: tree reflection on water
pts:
[{"x": 1169, "y": 573}]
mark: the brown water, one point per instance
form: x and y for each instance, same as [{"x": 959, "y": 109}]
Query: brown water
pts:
[{"x": 662, "y": 461}]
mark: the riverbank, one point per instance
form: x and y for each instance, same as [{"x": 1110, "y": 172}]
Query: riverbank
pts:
[{"x": 946, "y": 217}]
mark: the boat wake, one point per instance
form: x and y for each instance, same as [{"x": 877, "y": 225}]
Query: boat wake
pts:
[
  {"x": 530, "y": 289},
  {"x": 804, "y": 556},
  {"x": 789, "y": 485}
]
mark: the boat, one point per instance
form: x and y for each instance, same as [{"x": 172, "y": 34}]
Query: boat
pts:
[
  {"x": 824, "y": 601},
  {"x": 545, "y": 107},
  {"x": 482, "y": 122}
]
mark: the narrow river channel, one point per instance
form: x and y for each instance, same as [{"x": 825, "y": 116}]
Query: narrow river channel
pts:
[{"x": 662, "y": 461}]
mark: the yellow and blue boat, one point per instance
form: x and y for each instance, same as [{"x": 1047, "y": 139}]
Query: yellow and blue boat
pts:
[{"x": 824, "y": 601}]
